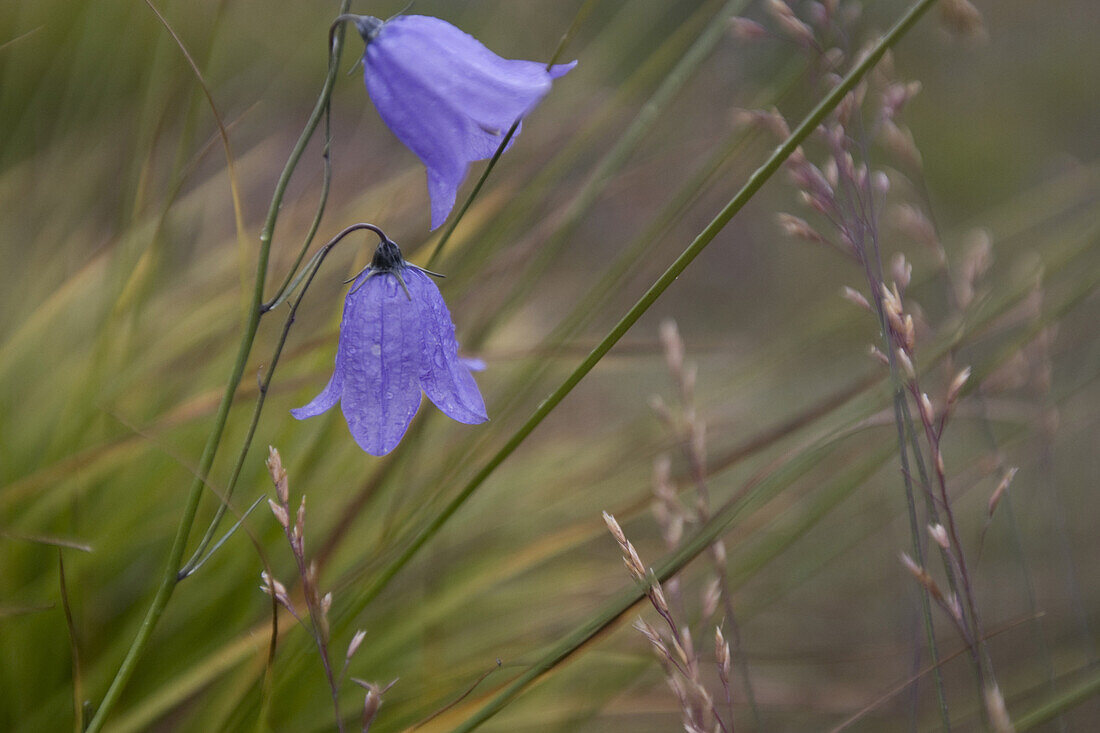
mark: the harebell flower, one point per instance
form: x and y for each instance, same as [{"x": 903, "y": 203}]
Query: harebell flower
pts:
[
  {"x": 396, "y": 340},
  {"x": 446, "y": 96}
]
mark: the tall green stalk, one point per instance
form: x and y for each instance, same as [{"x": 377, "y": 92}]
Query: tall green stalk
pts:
[{"x": 170, "y": 577}]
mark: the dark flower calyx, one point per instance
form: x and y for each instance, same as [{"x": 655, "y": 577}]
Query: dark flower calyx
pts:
[
  {"x": 368, "y": 26},
  {"x": 387, "y": 258}
]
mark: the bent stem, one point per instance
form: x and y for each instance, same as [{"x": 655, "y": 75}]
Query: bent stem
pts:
[
  {"x": 704, "y": 238},
  {"x": 170, "y": 577},
  {"x": 315, "y": 264}
]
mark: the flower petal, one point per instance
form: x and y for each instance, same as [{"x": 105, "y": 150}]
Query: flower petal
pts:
[
  {"x": 323, "y": 402},
  {"x": 442, "y": 191},
  {"x": 557, "y": 71},
  {"x": 473, "y": 364},
  {"x": 330, "y": 395},
  {"x": 447, "y": 97},
  {"x": 444, "y": 378},
  {"x": 437, "y": 134},
  {"x": 380, "y": 344},
  {"x": 461, "y": 71}
]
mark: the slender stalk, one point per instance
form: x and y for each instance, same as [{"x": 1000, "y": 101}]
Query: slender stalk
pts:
[
  {"x": 261, "y": 397},
  {"x": 705, "y": 237},
  {"x": 916, "y": 175},
  {"x": 902, "y": 419},
  {"x": 310, "y": 590},
  {"x": 326, "y": 182},
  {"x": 933, "y": 439},
  {"x": 615, "y": 158},
  {"x": 903, "y": 423},
  {"x": 192, "y": 564},
  {"x": 894, "y": 344},
  {"x": 1086, "y": 690},
  {"x": 74, "y": 647},
  {"x": 170, "y": 577}
]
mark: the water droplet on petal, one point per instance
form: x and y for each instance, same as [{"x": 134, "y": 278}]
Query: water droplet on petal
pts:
[{"x": 376, "y": 349}]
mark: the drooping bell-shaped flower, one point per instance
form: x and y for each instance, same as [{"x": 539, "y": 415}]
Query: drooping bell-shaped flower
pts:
[
  {"x": 446, "y": 96},
  {"x": 396, "y": 341}
]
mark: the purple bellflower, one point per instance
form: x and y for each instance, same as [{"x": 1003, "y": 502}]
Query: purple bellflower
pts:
[
  {"x": 446, "y": 96},
  {"x": 396, "y": 340}
]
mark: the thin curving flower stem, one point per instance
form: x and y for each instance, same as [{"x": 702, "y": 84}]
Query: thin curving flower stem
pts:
[
  {"x": 704, "y": 238},
  {"x": 197, "y": 557},
  {"x": 179, "y": 544},
  {"x": 191, "y": 565},
  {"x": 326, "y": 182}
]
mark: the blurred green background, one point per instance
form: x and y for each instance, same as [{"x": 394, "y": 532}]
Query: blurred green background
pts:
[{"x": 122, "y": 299}]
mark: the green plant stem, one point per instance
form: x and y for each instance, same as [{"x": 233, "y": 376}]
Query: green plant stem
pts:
[
  {"x": 192, "y": 564},
  {"x": 261, "y": 398},
  {"x": 170, "y": 577},
  {"x": 1059, "y": 704},
  {"x": 901, "y": 420},
  {"x": 904, "y": 427},
  {"x": 754, "y": 184},
  {"x": 904, "y": 424},
  {"x": 326, "y": 182},
  {"x": 615, "y": 158}
]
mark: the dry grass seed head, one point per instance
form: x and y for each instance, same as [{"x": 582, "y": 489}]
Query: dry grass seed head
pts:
[
  {"x": 747, "y": 30},
  {"x": 922, "y": 577},
  {"x": 789, "y": 23},
  {"x": 275, "y": 467},
  {"x": 999, "y": 492},
  {"x": 902, "y": 270},
  {"x": 999, "y": 719},
  {"x": 280, "y": 514},
  {"x": 711, "y": 597},
  {"x": 354, "y": 644},
  {"x": 939, "y": 535},
  {"x": 855, "y": 297},
  {"x": 957, "y": 384},
  {"x": 722, "y": 653},
  {"x": 961, "y": 17}
]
